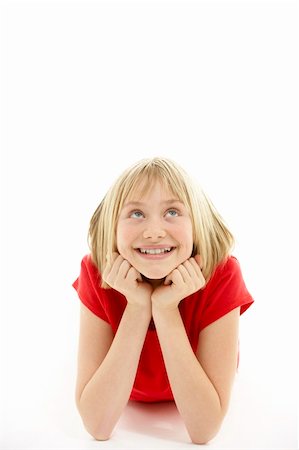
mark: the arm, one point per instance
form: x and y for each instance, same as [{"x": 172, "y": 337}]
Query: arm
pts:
[
  {"x": 107, "y": 368},
  {"x": 200, "y": 383},
  {"x": 107, "y": 365}
]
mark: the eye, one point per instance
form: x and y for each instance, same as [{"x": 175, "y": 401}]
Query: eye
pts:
[
  {"x": 136, "y": 214},
  {"x": 172, "y": 212}
]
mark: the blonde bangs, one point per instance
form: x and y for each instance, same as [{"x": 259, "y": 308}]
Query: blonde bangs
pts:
[{"x": 140, "y": 179}]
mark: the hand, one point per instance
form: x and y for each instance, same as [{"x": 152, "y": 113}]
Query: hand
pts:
[
  {"x": 186, "y": 279},
  {"x": 124, "y": 278}
]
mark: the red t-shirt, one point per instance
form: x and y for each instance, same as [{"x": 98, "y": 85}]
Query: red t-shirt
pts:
[{"x": 225, "y": 291}]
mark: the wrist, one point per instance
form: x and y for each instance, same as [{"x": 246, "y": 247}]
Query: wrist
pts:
[
  {"x": 139, "y": 311},
  {"x": 164, "y": 310}
]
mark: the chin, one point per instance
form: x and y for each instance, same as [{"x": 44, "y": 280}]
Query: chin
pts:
[{"x": 153, "y": 275}]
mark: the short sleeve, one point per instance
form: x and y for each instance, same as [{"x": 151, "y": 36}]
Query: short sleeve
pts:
[
  {"x": 88, "y": 288},
  {"x": 225, "y": 292}
]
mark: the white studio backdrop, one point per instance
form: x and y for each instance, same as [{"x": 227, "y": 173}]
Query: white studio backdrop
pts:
[{"x": 88, "y": 88}]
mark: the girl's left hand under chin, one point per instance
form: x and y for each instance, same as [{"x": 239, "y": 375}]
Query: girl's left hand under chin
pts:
[{"x": 184, "y": 280}]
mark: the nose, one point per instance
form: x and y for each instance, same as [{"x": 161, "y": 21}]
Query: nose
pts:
[{"x": 154, "y": 230}]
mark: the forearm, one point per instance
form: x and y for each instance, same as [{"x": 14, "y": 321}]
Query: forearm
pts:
[
  {"x": 106, "y": 394},
  {"x": 196, "y": 398}
]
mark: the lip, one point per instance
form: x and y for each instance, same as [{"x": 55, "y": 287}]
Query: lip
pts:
[
  {"x": 149, "y": 247},
  {"x": 158, "y": 256}
]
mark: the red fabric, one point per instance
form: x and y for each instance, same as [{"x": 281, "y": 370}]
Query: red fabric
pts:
[{"x": 225, "y": 291}]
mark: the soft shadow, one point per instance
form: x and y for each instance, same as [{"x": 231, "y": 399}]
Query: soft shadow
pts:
[{"x": 161, "y": 420}]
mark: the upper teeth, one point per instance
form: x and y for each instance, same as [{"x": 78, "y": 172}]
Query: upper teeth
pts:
[{"x": 155, "y": 251}]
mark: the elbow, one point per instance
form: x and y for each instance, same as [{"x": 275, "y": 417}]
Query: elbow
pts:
[
  {"x": 100, "y": 437},
  {"x": 97, "y": 432},
  {"x": 202, "y": 439},
  {"x": 94, "y": 427},
  {"x": 204, "y": 436},
  {"x": 207, "y": 428}
]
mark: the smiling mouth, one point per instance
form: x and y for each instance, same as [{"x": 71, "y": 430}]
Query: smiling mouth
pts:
[{"x": 155, "y": 251}]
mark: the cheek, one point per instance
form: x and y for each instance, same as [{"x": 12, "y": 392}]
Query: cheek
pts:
[
  {"x": 119, "y": 241},
  {"x": 187, "y": 247},
  {"x": 123, "y": 239},
  {"x": 185, "y": 236}
]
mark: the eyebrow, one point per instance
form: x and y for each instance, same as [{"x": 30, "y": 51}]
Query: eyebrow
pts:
[{"x": 140, "y": 204}]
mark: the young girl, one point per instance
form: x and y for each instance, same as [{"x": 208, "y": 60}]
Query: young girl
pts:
[{"x": 161, "y": 298}]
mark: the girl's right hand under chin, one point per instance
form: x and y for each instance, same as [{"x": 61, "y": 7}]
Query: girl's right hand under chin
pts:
[{"x": 124, "y": 278}]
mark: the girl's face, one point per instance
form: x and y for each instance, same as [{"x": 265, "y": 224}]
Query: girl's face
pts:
[{"x": 154, "y": 232}]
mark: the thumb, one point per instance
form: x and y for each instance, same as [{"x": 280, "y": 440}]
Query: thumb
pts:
[
  {"x": 167, "y": 281},
  {"x": 139, "y": 277}
]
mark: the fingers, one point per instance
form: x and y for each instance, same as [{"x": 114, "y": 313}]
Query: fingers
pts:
[
  {"x": 198, "y": 259},
  {"x": 109, "y": 263},
  {"x": 188, "y": 272},
  {"x": 189, "y": 269},
  {"x": 196, "y": 264},
  {"x": 133, "y": 275},
  {"x": 178, "y": 276},
  {"x": 118, "y": 270},
  {"x": 117, "y": 266}
]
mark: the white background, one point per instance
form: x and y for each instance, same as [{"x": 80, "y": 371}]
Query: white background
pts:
[{"x": 88, "y": 88}]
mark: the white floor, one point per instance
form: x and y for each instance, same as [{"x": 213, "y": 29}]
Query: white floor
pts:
[
  {"x": 257, "y": 419},
  {"x": 38, "y": 383}
]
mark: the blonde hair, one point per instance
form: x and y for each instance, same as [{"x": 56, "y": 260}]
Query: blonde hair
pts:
[{"x": 211, "y": 237}]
